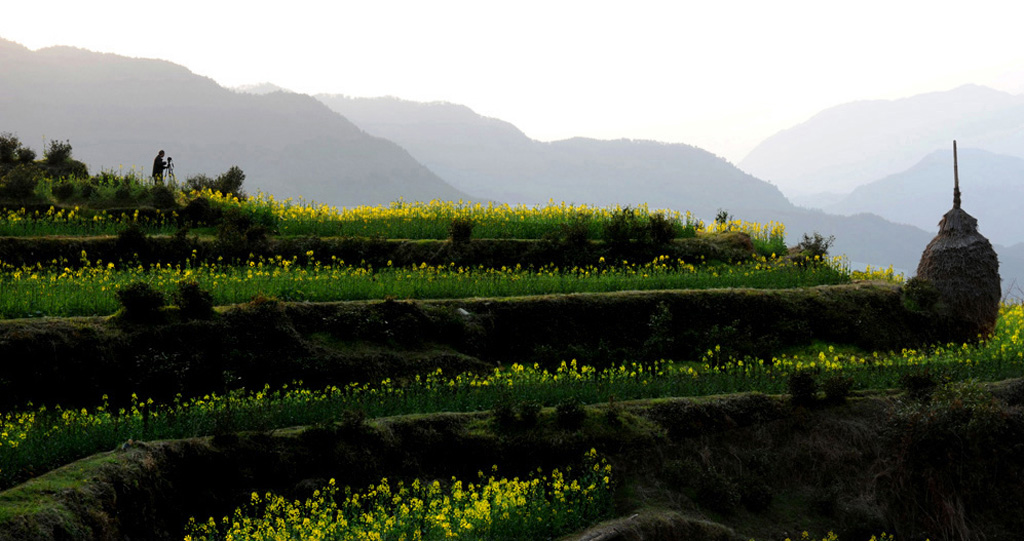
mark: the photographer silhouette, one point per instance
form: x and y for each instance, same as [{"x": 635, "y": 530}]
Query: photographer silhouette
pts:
[{"x": 159, "y": 166}]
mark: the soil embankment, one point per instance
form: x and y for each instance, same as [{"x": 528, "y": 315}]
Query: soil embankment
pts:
[
  {"x": 74, "y": 361},
  {"x": 726, "y": 468}
]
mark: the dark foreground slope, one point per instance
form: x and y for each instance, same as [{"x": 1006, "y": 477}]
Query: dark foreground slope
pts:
[{"x": 719, "y": 468}]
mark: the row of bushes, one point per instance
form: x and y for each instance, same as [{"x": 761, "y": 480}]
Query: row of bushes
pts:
[
  {"x": 20, "y": 172},
  {"x": 24, "y": 177},
  {"x": 237, "y": 239},
  {"x": 64, "y": 184}
]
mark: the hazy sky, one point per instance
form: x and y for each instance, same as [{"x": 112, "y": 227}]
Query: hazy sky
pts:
[{"x": 718, "y": 74}]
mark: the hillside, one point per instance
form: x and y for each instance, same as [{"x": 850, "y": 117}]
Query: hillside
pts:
[
  {"x": 119, "y": 111},
  {"x": 497, "y": 161},
  {"x": 919, "y": 195},
  {"x": 855, "y": 143},
  {"x": 617, "y": 375}
]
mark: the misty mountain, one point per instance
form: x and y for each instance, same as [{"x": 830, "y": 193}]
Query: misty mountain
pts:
[
  {"x": 120, "y": 111},
  {"x": 497, "y": 161},
  {"x": 992, "y": 186},
  {"x": 1010, "y": 259},
  {"x": 850, "y": 145},
  {"x": 493, "y": 158},
  {"x": 865, "y": 239}
]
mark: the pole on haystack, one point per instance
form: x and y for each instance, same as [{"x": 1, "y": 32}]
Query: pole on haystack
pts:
[
  {"x": 956, "y": 180},
  {"x": 964, "y": 269}
]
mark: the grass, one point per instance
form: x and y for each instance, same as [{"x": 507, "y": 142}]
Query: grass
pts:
[
  {"x": 36, "y": 440},
  {"x": 90, "y": 289},
  {"x": 85, "y": 216}
]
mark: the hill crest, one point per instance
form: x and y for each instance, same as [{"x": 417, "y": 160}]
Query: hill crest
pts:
[
  {"x": 117, "y": 110},
  {"x": 852, "y": 144}
]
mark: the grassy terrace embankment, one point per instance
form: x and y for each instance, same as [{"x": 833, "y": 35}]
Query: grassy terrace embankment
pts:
[
  {"x": 88, "y": 286},
  {"x": 722, "y": 468},
  {"x": 76, "y": 360},
  {"x": 79, "y": 433}
]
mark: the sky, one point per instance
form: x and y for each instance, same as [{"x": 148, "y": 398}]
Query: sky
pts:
[{"x": 718, "y": 74}]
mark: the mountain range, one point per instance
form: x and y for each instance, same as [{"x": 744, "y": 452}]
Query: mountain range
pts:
[
  {"x": 120, "y": 111},
  {"x": 992, "y": 187},
  {"x": 852, "y": 144},
  {"x": 494, "y": 159},
  {"x": 349, "y": 151},
  {"x": 472, "y": 151}
]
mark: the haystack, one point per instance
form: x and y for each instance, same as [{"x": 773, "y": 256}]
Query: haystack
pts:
[{"x": 962, "y": 266}]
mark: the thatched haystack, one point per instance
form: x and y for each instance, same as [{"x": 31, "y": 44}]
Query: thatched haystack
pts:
[{"x": 962, "y": 266}]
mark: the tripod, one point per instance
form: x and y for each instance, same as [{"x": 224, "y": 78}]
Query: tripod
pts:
[{"x": 169, "y": 170}]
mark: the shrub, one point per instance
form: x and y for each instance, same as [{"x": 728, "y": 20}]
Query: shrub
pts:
[
  {"x": 58, "y": 153},
  {"x": 63, "y": 190},
  {"x": 919, "y": 385},
  {"x": 141, "y": 302},
  {"x": 504, "y": 412},
  {"x": 837, "y": 388},
  {"x": 181, "y": 245},
  {"x": 460, "y": 230},
  {"x": 230, "y": 182},
  {"x": 26, "y": 155},
  {"x": 509, "y": 413},
  {"x": 803, "y": 389},
  {"x": 198, "y": 211},
  {"x": 21, "y": 182},
  {"x": 123, "y": 194},
  {"x": 815, "y": 245},
  {"x": 529, "y": 413},
  {"x": 227, "y": 183},
  {"x": 1013, "y": 393},
  {"x": 660, "y": 230},
  {"x": 622, "y": 227},
  {"x": 131, "y": 241},
  {"x": 69, "y": 169},
  {"x": 570, "y": 413},
  {"x": 576, "y": 232},
  {"x": 613, "y": 413},
  {"x": 198, "y": 183},
  {"x": 163, "y": 197},
  {"x": 193, "y": 301},
  {"x": 352, "y": 422},
  {"x": 661, "y": 341},
  {"x": 238, "y": 235},
  {"x": 723, "y": 217},
  {"x": 9, "y": 145}
]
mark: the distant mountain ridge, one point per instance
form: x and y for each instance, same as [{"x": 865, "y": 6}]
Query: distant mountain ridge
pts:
[
  {"x": 992, "y": 186},
  {"x": 496, "y": 160},
  {"x": 117, "y": 110},
  {"x": 852, "y": 144}
]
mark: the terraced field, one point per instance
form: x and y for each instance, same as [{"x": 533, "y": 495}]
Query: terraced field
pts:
[{"x": 225, "y": 368}]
